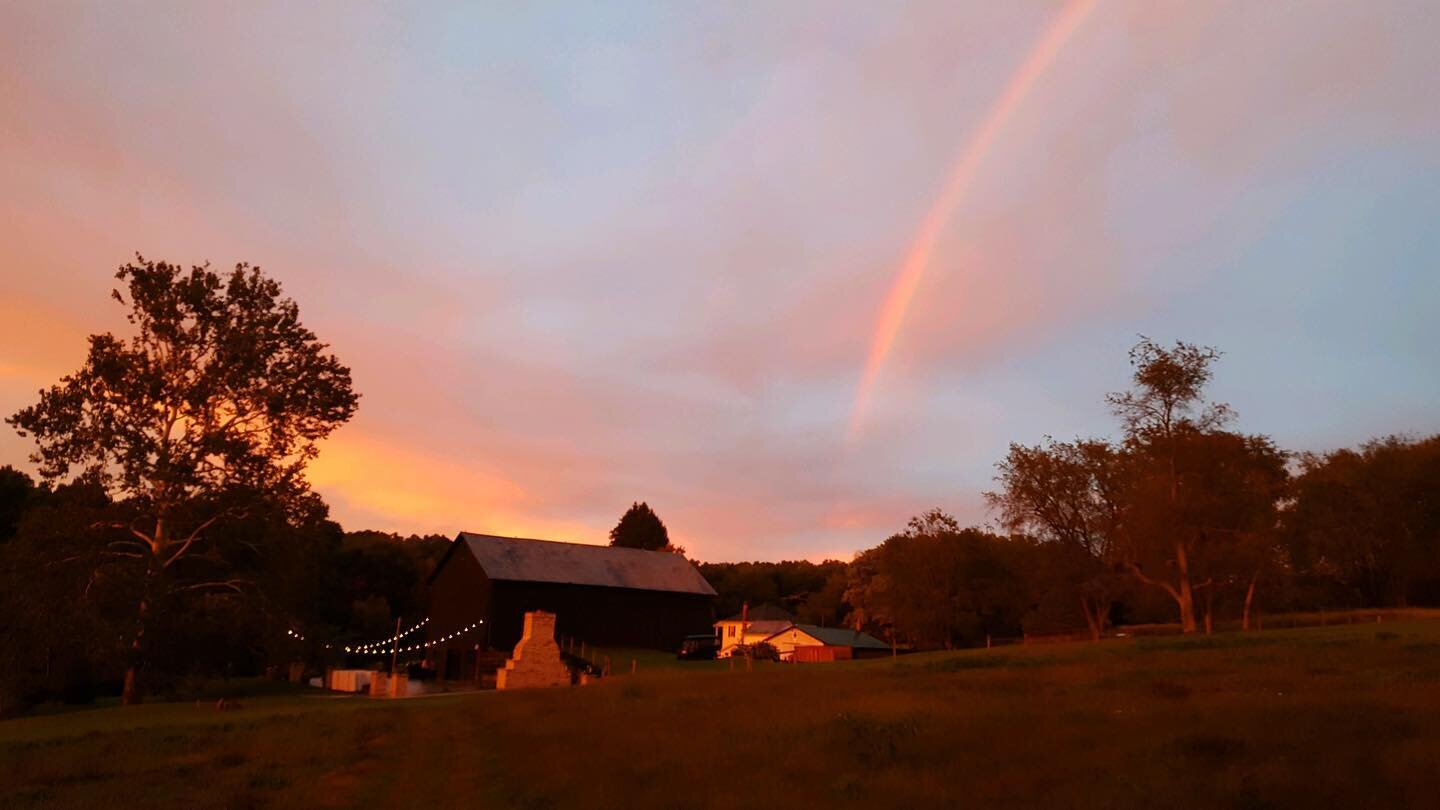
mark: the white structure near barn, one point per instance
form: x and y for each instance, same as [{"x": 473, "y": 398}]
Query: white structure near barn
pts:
[
  {"x": 750, "y": 627},
  {"x": 808, "y": 642}
]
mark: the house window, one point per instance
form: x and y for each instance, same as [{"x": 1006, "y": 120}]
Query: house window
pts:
[{"x": 731, "y": 629}]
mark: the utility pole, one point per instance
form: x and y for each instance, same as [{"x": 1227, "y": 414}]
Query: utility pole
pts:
[
  {"x": 395, "y": 647},
  {"x": 744, "y": 627}
]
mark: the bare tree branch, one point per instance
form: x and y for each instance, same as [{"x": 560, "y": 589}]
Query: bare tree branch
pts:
[{"x": 235, "y": 585}]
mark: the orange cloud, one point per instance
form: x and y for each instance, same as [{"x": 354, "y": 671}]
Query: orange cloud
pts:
[
  {"x": 38, "y": 342},
  {"x": 401, "y": 489}
]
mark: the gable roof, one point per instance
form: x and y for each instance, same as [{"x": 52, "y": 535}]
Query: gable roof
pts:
[
  {"x": 521, "y": 560},
  {"x": 764, "y": 629},
  {"x": 763, "y": 613},
  {"x": 838, "y": 637}
]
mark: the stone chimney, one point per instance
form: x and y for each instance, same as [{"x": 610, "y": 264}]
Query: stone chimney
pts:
[{"x": 536, "y": 661}]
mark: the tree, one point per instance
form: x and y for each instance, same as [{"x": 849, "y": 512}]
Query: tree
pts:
[
  {"x": 938, "y": 585},
  {"x": 1231, "y": 488},
  {"x": 814, "y": 592},
  {"x": 389, "y": 567},
  {"x": 1164, "y": 403},
  {"x": 61, "y": 608},
  {"x": 825, "y": 605},
  {"x": 1192, "y": 491},
  {"x": 1066, "y": 494},
  {"x": 16, "y": 490},
  {"x": 640, "y": 527},
  {"x": 1369, "y": 519},
  {"x": 219, "y": 392}
]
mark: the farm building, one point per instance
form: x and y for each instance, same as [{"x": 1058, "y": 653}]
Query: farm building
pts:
[
  {"x": 806, "y": 643},
  {"x": 599, "y": 595},
  {"x": 751, "y": 627}
]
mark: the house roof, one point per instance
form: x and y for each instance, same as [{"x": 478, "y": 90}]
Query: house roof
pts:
[
  {"x": 522, "y": 560},
  {"x": 763, "y": 613},
  {"x": 839, "y": 637},
  {"x": 761, "y": 628}
]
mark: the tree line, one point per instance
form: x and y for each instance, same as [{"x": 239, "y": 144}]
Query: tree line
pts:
[
  {"x": 69, "y": 607},
  {"x": 1181, "y": 519}
]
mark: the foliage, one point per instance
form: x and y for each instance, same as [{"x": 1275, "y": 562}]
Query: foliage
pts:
[
  {"x": 1168, "y": 393},
  {"x": 937, "y": 585},
  {"x": 1204, "y": 517},
  {"x": 382, "y": 576},
  {"x": 641, "y": 528},
  {"x": 1370, "y": 520},
  {"x": 1182, "y": 504},
  {"x": 1066, "y": 495},
  {"x": 759, "y": 651},
  {"x": 813, "y": 592},
  {"x": 16, "y": 491},
  {"x": 219, "y": 394}
]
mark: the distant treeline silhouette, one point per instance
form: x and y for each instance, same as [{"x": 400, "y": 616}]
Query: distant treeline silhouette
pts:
[{"x": 1182, "y": 519}]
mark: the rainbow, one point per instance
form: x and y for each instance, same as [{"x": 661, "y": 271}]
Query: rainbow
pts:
[{"x": 897, "y": 303}]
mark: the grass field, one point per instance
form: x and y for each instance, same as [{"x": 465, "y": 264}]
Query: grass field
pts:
[{"x": 1345, "y": 716}]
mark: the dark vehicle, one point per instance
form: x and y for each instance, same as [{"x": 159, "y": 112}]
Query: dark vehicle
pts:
[{"x": 699, "y": 648}]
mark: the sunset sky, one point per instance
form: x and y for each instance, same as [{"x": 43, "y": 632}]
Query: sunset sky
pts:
[{"x": 791, "y": 272}]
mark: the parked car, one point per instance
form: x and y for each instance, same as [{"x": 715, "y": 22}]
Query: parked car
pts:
[{"x": 702, "y": 647}]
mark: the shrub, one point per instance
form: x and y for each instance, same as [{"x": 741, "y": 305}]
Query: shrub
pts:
[
  {"x": 764, "y": 652},
  {"x": 760, "y": 651}
]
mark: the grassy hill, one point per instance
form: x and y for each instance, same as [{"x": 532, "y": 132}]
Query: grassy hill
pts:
[{"x": 1345, "y": 716}]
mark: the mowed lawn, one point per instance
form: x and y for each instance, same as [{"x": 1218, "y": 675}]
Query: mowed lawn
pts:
[{"x": 1344, "y": 716}]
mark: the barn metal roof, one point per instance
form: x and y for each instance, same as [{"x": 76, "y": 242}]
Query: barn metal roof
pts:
[{"x": 522, "y": 560}]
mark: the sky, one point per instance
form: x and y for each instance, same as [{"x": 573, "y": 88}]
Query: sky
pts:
[{"x": 789, "y": 272}]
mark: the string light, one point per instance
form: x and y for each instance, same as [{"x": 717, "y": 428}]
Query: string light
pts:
[
  {"x": 380, "y": 646},
  {"x": 375, "y": 646}
]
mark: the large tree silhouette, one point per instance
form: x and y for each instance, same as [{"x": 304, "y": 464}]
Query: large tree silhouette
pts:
[
  {"x": 1201, "y": 500},
  {"x": 640, "y": 527},
  {"x": 220, "y": 393}
]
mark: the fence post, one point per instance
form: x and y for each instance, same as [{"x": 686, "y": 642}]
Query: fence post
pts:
[
  {"x": 987, "y": 641},
  {"x": 632, "y": 666}
]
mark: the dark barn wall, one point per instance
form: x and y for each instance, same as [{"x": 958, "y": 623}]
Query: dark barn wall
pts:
[
  {"x": 612, "y": 616},
  {"x": 460, "y": 593}
]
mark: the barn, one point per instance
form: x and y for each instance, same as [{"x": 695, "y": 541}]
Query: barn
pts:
[{"x": 603, "y": 595}]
